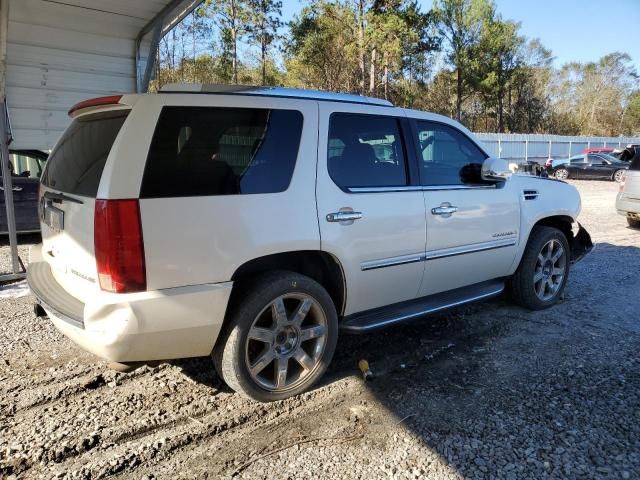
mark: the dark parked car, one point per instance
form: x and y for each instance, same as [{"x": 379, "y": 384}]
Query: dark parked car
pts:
[
  {"x": 26, "y": 167},
  {"x": 590, "y": 166}
]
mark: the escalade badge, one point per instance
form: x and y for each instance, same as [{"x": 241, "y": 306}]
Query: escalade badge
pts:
[{"x": 503, "y": 234}]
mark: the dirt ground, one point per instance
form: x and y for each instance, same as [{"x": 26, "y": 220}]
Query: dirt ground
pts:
[{"x": 486, "y": 391}]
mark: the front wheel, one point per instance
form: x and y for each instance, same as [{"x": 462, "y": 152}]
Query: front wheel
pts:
[
  {"x": 633, "y": 223},
  {"x": 280, "y": 337},
  {"x": 543, "y": 271},
  {"x": 617, "y": 176},
  {"x": 562, "y": 174}
]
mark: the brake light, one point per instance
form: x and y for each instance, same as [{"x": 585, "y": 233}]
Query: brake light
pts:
[
  {"x": 623, "y": 179},
  {"x": 119, "y": 248},
  {"x": 96, "y": 102}
]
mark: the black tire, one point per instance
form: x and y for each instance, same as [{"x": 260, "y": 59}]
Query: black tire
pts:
[
  {"x": 256, "y": 303},
  {"x": 617, "y": 175},
  {"x": 562, "y": 174},
  {"x": 524, "y": 289},
  {"x": 633, "y": 223}
]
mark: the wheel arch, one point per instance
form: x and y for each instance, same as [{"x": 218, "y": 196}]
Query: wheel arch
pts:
[
  {"x": 321, "y": 266},
  {"x": 562, "y": 222}
]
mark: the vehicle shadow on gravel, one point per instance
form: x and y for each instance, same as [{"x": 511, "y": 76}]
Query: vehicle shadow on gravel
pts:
[
  {"x": 496, "y": 391},
  {"x": 499, "y": 391},
  {"x": 23, "y": 239}
]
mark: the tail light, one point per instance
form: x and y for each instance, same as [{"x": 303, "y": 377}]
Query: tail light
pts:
[
  {"x": 119, "y": 248},
  {"x": 623, "y": 179}
]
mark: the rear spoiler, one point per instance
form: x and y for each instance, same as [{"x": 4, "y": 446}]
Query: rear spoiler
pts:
[{"x": 95, "y": 102}]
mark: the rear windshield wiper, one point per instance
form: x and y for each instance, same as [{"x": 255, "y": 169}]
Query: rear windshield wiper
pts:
[{"x": 60, "y": 197}]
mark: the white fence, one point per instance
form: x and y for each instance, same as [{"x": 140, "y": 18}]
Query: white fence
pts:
[{"x": 522, "y": 147}]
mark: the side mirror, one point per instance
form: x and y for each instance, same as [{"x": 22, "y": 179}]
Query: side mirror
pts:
[{"x": 495, "y": 169}]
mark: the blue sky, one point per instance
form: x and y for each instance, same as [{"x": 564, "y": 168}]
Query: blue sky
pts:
[{"x": 574, "y": 30}]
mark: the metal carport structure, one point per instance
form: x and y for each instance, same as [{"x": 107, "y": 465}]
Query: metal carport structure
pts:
[{"x": 55, "y": 53}]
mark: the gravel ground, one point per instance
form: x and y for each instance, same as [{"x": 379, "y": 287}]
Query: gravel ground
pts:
[{"x": 487, "y": 391}]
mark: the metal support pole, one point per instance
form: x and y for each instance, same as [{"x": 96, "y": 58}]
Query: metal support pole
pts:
[
  {"x": 7, "y": 186},
  {"x": 570, "y": 145},
  {"x": 549, "y": 149},
  {"x": 499, "y": 148},
  {"x": 151, "y": 58},
  {"x": 7, "y": 181},
  {"x": 526, "y": 150}
]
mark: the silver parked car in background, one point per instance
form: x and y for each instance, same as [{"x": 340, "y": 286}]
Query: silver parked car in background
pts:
[{"x": 628, "y": 201}]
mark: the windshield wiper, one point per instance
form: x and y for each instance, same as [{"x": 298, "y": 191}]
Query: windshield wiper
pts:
[{"x": 60, "y": 197}]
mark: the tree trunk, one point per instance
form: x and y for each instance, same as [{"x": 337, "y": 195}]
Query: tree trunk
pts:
[
  {"x": 458, "y": 94},
  {"x": 386, "y": 76},
  {"x": 361, "y": 64},
  {"x": 264, "y": 63},
  {"x": 234, "y": 43},
  {"x": 372, "y": 73}
]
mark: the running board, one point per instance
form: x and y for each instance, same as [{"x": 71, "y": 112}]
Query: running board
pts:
[{"x": 400, "y": 312}]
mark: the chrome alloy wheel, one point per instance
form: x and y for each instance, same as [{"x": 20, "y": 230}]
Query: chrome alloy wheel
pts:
[
  {"x": 562, "y": 174},
  {"x": 286, "y": 341},
  {"x": 550, "y": 270}
]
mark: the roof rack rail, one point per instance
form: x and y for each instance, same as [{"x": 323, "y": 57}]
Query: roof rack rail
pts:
[{"x": 264, "y": 91}]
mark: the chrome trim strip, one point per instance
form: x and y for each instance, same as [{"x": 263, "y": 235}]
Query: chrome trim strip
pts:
[
  {"x": 392, "y": 261},
  {"x": 445, "y": 306},
  {"x": 384, "y": 189},
  {"x": 417, "y": 188},
  {"x": 455, "y": 251},
  {"x": 436, "y": 254}
]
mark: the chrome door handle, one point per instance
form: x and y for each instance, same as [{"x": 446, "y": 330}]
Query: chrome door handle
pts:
[
  {"x": 445, "y": 209},
  {"x": 15, "y": 189},
  {"x": 343, "y": 216}
]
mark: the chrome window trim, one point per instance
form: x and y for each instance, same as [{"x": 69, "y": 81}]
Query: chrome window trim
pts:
[
  {"x": 437, "y": 254},
  {"x": 418, "y": 188}
]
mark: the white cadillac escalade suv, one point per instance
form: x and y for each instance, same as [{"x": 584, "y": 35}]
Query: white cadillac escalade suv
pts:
[{"x": 254, "y": 224}]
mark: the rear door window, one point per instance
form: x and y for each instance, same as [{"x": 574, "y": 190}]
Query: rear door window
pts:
[
  {"x": 202, "y": 151},
  {"x": 366, "y": 151},
  {"x": 77, "y": 161}
]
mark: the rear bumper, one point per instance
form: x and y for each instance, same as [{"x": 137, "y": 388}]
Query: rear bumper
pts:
[
  {"x": 157, "y": 325},
  {"x": 627, "y": 206}
]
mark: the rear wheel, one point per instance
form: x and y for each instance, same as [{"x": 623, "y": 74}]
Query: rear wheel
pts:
[
  {"x": 562, "y": 173},
  {"x": 617, "y": 176},
  {"x": 633, "y": 222},
  {"x": 280, "y": 337},
  {"x": 543, "y": 271}
]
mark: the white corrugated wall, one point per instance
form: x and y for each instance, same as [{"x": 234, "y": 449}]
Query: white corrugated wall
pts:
[{"x": 63, "y": 51}]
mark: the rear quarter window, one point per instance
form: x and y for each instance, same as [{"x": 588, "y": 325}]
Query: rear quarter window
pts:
[
  {"x": 203, "y": 151},
  {"x": 78, "y": 159}
]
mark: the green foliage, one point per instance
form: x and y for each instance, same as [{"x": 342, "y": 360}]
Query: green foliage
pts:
[{"x": 460, "y": 59}]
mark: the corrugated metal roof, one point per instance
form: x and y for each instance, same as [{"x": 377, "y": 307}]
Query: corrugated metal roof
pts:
[{"x": 60, "y": 52}]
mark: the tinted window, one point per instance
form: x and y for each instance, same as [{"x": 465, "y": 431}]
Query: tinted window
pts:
[
  {"x": 596, "y": 160},
  {"x": 76, "y": 163},
  {"x": 23, "y": 164},
  {"x": 199, "y": 151},
  {"x": 366, "y": 151},
  {"x": 578, "y": 160},
  {"x": 448, "y": 157},
  {"x": 635, "y": 160}
]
